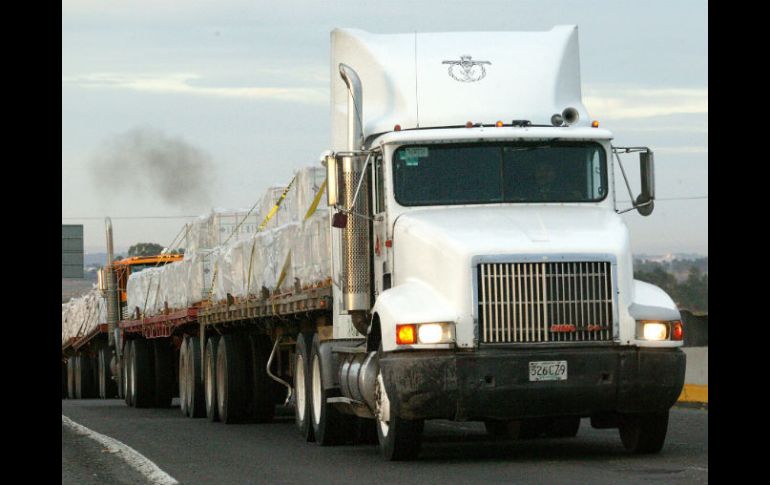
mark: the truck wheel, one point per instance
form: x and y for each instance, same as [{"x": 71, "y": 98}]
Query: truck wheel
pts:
[
  {"x": 330, "y": 427},
  {"x": 643, "y": 433},
  {"x": 128, "y": 392},
  {"x": 163, "y": 357},
  {"x": 84, "y": 382},
  {"x": 262, "y": 399},
  {"x": 71, "y": 377},
  {"x": 301, "y": 387},
  {"x": 232, "y": 402},
  {"x": 210, "y": 379},
  {"x": 399, "y": 438},
  {"x": 183, "y": 377},
  {"x": 196, "y": 401},
  {"x": 119, "y": 379},
  {"x": 107, "y": 387},
  {"x": 142, "y": 374}
]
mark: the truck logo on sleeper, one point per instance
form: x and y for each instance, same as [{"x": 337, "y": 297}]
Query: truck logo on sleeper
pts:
[{"x": 467, "y": 70}]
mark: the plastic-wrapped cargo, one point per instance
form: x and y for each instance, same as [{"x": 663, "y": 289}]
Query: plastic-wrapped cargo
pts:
[
  {"x": 80, "y": 316},
  {"x": 213, "y": 229},
  {"x": 250, "y": 260}
]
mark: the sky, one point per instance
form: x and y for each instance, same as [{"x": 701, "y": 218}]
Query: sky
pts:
[{"x": 239, "y": 90}]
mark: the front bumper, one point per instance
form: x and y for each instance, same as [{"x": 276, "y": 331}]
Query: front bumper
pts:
[{"x": 493, "y": 383}]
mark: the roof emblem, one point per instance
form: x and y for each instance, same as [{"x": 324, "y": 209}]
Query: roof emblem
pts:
[{"x": 466, "y": 70}]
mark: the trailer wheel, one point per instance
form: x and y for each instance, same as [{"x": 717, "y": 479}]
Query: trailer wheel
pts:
[
  {"x": 84, "y": 382},
  {"x": 262, "y": 400},
  {"x": 71, "y": 377},
  {"x": 196, "y": 401},
  {"x": 128, "y": 392},
  {"x": 183, "y": 377},
  {"x": 643, "y": 433},
  {"x": 210, "y": 378},
  {"x": 119, "y": 377},
  {"x": 330, "y": 427},
  {"x": 232, "y": 400},
  {"x": 399, "y": 438},
  {"x": 302, "y": 388},
  {"x": 107, "y": 386},
  {"x": 163, "y": 359},
  {"x": 142, "y": 375}
]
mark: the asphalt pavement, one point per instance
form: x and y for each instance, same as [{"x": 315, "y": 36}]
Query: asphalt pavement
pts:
[{"x": 196, "y": 451}]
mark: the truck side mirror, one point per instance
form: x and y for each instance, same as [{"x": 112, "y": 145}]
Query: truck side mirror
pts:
[
  {"x": 645, "y": 203},
  {"x": 332, "y": 183}
]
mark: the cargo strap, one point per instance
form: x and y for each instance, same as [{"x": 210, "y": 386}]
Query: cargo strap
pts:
[
  {"x": 311, "y": 210},
  {"x": 269, "y": 216}
]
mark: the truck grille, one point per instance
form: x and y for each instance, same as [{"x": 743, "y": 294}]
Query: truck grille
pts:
[{"x": 545, "y": 302}]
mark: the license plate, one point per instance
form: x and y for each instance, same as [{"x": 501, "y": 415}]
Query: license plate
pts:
[{"x": 549, "y": 370}]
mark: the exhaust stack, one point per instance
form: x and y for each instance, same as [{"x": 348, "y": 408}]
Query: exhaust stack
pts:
[
  {"x": 113, "y": 310},
  {"x": 355, "y": 235}
]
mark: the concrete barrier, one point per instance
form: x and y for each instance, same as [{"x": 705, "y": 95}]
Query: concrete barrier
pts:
[{"x": 696, "y": 377}]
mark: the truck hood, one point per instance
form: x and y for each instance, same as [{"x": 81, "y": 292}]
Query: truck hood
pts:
[
  {"x": 543, "y": 229},
  {"x": 437, "y": 246}
]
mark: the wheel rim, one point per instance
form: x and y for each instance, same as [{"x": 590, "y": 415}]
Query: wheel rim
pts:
[
  {"x": 316, "y": 391},
  {"x": 383, "y": 405},
  {"x": 300, "y": 387},
  {"x": 210, "y": 403}
]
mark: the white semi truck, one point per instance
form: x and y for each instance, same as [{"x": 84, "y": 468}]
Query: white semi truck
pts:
[{"x": 479, "y": 267}]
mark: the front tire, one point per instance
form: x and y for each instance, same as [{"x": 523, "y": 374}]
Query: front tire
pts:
[
  {"x": 643, "y": 433},
  {"x": 400, "y": 439}
]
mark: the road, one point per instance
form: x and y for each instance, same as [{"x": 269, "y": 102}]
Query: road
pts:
[{"x": 195, "y": 451}]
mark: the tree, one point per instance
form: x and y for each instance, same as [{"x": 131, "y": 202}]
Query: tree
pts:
[{"x": 144, "y": 249}]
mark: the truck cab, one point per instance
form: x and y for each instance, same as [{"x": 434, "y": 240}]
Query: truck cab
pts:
[{"x": 479, "y": 247}]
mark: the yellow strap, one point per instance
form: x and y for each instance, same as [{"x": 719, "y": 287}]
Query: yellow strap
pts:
[
  {"x": 277, "y": 205},
  {"x": 316, "y": 201}
]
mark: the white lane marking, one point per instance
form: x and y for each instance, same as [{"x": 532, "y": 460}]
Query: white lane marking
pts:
[{"x": 135, "y": 459}]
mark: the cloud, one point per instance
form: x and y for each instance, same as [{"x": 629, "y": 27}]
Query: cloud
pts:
[
  {"x": 183, "y": 83},
  {"x": 615, "y": 102}
]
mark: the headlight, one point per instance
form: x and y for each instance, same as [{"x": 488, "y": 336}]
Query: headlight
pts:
[
  {"x": 656, "y": 330},
  {"x": 424, "y": 333}
]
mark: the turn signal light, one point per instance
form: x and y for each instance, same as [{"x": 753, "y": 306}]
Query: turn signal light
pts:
[
  {"x": 677, "y": 330},
  {"x": 469, "y": 124},
  {"x": 594, "y": 124},
  {"x": 397, "y": 128},
  {"x": 406, "y": 334},
  {"x": 499, "y": 124}
]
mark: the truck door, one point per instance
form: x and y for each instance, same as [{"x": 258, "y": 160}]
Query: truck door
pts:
[{"x": 380, "y": 263}]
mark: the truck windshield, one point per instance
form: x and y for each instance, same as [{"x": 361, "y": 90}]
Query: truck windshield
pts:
[{"x": 484, "y": 173}]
